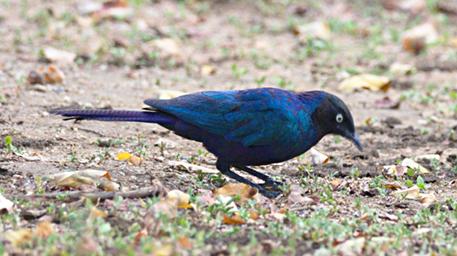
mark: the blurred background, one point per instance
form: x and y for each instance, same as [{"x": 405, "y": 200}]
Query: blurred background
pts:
[{"x": 393, "y": 62}]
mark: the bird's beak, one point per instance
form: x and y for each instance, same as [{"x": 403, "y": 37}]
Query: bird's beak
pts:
[{"x": 355, "y": 139}]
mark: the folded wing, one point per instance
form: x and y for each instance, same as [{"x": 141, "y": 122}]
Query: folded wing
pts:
[{"x": 256, "y": 117}]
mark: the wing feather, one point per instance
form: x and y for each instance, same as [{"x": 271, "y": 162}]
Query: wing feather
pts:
[{"x": 253, "y": 117}]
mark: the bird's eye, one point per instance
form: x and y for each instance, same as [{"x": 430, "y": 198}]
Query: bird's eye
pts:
[{"x": 339, "y": 118}]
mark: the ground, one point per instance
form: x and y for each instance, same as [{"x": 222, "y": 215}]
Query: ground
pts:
[{"x": 348, "y": 206}]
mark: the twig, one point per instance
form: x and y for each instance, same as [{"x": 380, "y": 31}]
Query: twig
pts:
[{"x": 152, "y": 191}]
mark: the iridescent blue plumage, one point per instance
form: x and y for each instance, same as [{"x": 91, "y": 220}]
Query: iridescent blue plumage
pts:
[{"x": 246, "y": 127}]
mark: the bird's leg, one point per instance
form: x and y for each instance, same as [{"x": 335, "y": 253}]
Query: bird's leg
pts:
[
  {"x": 224, "y": 168},
  {"x": 268, "y": 180}
]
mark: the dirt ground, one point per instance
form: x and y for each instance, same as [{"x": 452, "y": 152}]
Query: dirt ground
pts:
[{"x": 347, "y": 206}]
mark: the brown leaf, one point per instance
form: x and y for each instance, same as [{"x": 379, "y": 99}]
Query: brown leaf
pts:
[
  {"x": 185, "y": 243},
  {"x": 19, "y": 237},
  {"x": 181, "y": 199},
  {"x": 235, "y": 219},
  {"x": 46, "y": 75},
  {"x": 44, "y": 229},
  {"x": 392, "y": 185},
  {"x": 78, "y": 179},
  {"x": 140, "y": 234},
  {"x": 96, "y": 213},
  {"x": 135, "y": 160},
  {"x": 427, "y": 199},
  {"x": 415, "y": 39},
  {"x": 242, "y": 190}
]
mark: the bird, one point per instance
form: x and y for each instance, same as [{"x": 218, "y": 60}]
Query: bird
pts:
[{"x": 242, "y": 128}]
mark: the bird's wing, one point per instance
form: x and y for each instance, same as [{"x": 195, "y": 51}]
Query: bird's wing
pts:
[{"x": 252, "y": 117}]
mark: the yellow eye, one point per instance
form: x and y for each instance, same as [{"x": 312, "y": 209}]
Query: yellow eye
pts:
[{"x": 339, "y": 118}]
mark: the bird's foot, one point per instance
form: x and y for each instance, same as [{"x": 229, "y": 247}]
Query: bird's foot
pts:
[
  {"x": 272, "y": 194},
  {"x": 270, "y": 183},
  {"x": 270, "y": 188}
]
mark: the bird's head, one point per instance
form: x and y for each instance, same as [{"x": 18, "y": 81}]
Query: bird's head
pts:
[{"x": 332, "y": 116}]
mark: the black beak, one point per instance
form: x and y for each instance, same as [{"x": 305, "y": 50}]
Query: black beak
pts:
[{"x": 355, "y": 139}]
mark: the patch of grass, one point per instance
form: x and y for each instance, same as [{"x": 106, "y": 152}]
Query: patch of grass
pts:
[
  {"x": 313, "y": 47},
  {"x": 238, "y": 72}
]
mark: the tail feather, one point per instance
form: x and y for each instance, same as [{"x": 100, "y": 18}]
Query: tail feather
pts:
[{"x": 114, "y": 115}]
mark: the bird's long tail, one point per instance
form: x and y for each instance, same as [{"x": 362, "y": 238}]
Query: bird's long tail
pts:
[{"x": 115, "y": 115}]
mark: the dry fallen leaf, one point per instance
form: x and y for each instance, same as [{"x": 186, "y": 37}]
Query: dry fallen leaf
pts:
[
  {"x": 207, "y": 70},
  {"x": 185, "y": 243},
  {"x": 351, "y": 247},
  {"x": 58, "y": 56},
  {"x": 413, "y": 193},
  {"x": 182, "y": 199},
  {"x": 410, "y": 163},
  {"x": 415, "y": 39},
  {"x": 132, "y": 159},
  {"x": 401, "y": 69},
  {"x": 78, "y": 179},
  {"x": 46, "y": 75},
  {"x": 365, "y": 81},
  {"x": 318, "y": 158},
  {"x": 411, "y": 6},
  {"x": 5, "y": 204},
  {"x": 427, "y": 199},
  {"x": 392, "y": 185},
  {"x": 174, "y": 200},
  {"x": 336, "y": 183},
  {"x": 19, "y": 237},
  {"x": 135, "y": 160},
  {"x": 297, "y": 196},
  {"x": 235, "y": 219},
  {"x": 168, "y": 46},
  {"x": 317, "y": 29},
  {"x": 113, "y": 9},
  {"x": 163, "y": 250},
  {"x": 123, "y": 156},
  {"x": 96, "y": 213},
  {"x": 394, "y": 170},
  {"x": 192, "y": 167},
  {"x": 242, "y": 190},
  {"x": 142, "y": 233},
  {"x": 44, "y": 229},
  {"x": 409, "y": 193}
]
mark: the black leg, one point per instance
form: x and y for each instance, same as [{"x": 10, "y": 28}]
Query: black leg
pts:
[
  {"x": 224, "y": 168},
  {"x": 268, "y": 180}
]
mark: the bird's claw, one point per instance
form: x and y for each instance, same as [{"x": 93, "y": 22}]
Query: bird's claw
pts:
[
  {"x": 270, "y": 183},
  {"x": 269, "y": 193},
  {"x": 270, "y": 188}
]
